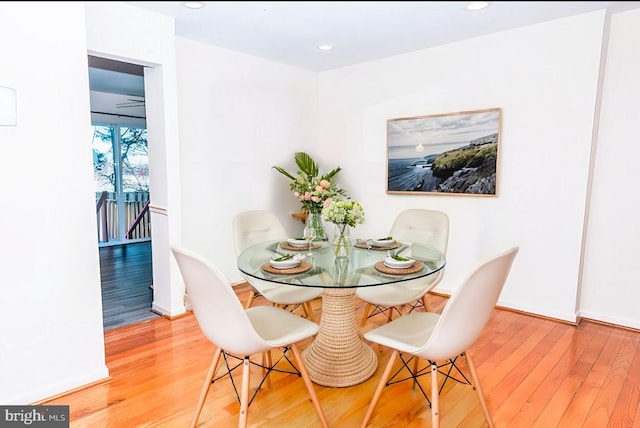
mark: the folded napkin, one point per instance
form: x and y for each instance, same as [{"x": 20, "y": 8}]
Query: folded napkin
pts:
[{"x": 283, "y": 258}]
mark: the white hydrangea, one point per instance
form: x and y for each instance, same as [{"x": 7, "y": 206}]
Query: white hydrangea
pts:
[{"x": 345, "y": 211}]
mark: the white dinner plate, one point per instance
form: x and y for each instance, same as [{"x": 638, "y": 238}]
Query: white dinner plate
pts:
[
  {"x": 383, "y": 242},
  {"x": 284, "y": 264},
  {"x": 398, "y": 264},
  {"x": 296, "y": 242}
]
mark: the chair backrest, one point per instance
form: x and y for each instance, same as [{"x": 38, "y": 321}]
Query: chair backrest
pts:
[
  {"x": 215, "y": 305},
  {"x": 252, "y": 227},
  {"x": 469, "y": 308},
  {"x": 425, "y": 226}
]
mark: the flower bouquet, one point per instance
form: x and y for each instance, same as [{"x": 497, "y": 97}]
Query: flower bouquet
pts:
[
  {"x": 344, "y": 214},
  {"x": 314, "y": 191}
]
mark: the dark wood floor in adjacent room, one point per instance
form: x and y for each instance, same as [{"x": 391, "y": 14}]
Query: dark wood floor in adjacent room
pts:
[{"x": 126, "y": 274}]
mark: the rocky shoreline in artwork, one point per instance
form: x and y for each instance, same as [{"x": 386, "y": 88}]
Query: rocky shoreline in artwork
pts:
[{"x": 469, "y": 169}]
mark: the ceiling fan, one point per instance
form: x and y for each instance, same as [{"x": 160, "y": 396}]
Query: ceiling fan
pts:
[{"x": 131, "y": 102}]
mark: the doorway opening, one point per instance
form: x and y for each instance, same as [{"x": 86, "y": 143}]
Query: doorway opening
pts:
[
  {"x": 121, "y": 177},
  {"x": 120, "y": 151}
]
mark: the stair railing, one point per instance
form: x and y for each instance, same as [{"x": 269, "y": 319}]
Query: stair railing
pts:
[
  {"x": 101, "y": 212},
  {"x": 139, "y": 217}
]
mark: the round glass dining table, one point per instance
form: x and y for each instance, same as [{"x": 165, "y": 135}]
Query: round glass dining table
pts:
[{"x": 338, "y": 357}]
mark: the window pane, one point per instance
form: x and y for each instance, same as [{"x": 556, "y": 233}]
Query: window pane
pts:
[
  {"x": 135, "y": 160},
  {"x": 103, "y": 164}
]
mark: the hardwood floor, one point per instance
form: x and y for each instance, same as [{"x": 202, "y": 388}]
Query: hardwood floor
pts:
[
  {"x": 125, "y": 276},
  {"x": 534, "y": 372}
]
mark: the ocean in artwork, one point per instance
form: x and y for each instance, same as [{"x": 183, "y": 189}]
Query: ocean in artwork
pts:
[{"x": 411, "y": 175}]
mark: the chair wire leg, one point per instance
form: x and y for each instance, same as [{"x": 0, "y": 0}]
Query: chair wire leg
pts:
[
  {"x": 271, "y": 367},
  {"x": 381, "y": 385},
  {"x": 206, "y": 386},
  {"x": 452, "y": 364},
  {"x": 389, "y": 310},
  {"x": 476, "y": 385},
  {"x": 226, "y": 356},
  {"x": 419, "y": 303},
  {"x": 267, "y": 366},
  {"x": 414, "y": 374}
]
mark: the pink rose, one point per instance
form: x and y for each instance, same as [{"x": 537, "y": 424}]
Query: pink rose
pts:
[
  {"x": 327, "y": 202},
  {"x": 325, "y": 184}
]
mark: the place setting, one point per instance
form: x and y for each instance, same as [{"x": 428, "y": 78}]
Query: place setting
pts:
[
  {"x": 287, "y": 264},
  {"x": 381, "y": 244},
  {"x": 299, "y": 244},
  {"x": 395, "y": 264}
]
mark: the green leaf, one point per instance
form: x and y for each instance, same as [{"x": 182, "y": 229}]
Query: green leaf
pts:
[
  {"x": 283, "y": 258},
  {"x": 306, "y": 164},
  {"x": 283, "y": 172},
  {"x": 400, "y": 258}
]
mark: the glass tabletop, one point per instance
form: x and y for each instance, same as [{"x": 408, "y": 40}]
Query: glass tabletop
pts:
[{"x": 363, "y": 268}]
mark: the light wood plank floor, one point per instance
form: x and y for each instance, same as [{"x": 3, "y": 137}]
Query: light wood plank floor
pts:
[{"x": 535, "y": 373}]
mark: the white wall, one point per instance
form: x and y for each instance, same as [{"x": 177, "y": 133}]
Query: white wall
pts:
[
  {"x": 51, "y": 337},
  {"x": 611, "y": 288},
  {"x": 51, "y": 334},
  {"x": 130, "y": 34},
  {"x": 239, "y": 116},
  {"x": 544, "y": 78}
]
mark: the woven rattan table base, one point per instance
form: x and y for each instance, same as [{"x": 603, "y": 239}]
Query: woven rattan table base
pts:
[{"x": 338, "y": 357}]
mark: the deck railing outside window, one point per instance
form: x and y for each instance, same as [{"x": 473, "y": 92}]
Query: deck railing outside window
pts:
[{"x": 136, "y": 216}]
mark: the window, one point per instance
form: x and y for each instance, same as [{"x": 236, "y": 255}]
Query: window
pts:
[{"x": 121, "y": 169}]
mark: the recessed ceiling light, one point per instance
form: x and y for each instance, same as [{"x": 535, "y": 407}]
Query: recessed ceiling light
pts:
[
  {"x": 477, "y": 5},
  {"x": 193, "y": 4},
  {"x": 325, "y": 47}
]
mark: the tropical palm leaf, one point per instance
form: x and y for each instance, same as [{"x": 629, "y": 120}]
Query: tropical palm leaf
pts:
[
  {"x": 283, "y": 172},
  {"x": 307, "y": 165},
  {"x": 307, "y": 181}
]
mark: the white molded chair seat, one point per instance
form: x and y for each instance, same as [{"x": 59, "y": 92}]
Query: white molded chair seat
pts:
[
  {"x": 444, "y": 337},
  {"x": 253, "y": 227},
  {"x": 238, "y": 331},
  {"x": 412, "y": 225}
]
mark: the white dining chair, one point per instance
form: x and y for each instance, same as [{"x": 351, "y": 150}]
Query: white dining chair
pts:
[
  {"x": 437, "y": 338},
  {"x": 413, "y": 225},
  {"x": 238, "y": 331},
  {"x": 255, "y": 226}
]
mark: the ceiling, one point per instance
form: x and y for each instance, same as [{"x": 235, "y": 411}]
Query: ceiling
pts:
[
  {"x": 117, "y": 91},
  {"x": 288, "y": 32}
]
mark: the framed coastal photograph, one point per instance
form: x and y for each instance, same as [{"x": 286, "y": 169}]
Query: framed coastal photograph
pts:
[{"x": 451, "y": 153}]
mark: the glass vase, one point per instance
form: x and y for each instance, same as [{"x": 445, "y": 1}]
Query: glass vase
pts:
[
  {"x": 315, "y": 220},
  {"x": 342, "y": 241}
]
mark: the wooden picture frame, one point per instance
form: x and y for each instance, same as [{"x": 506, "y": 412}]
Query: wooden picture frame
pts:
[{"x": 444, "y": 154}]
